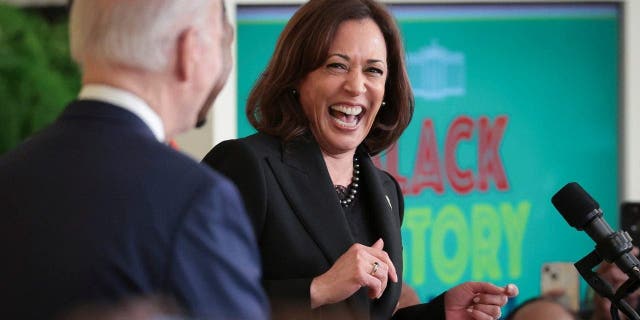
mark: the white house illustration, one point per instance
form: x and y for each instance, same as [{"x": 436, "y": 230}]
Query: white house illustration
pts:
[{"x": 436, "y": 73}]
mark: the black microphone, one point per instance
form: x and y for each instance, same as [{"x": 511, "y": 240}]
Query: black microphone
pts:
[{"x": 583, "y": 213}]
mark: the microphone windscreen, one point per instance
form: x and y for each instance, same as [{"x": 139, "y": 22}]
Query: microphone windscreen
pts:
[{"x": 575, "y": 205}]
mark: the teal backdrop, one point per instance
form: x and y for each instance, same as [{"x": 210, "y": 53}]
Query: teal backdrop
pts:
[{"x": 512, "y": 102}]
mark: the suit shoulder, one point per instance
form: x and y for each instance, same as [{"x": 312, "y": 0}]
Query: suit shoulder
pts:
[
  {"x": 262, "y": 143},
  {"x": 385, "y": 176},
  {"x": 187, "y": 177},
  {"x": 204, "y": 184},
  {"x": 388, "y": 181},
  {"x": 257, "y": 145},
  {"x": 184, "y": 168}
]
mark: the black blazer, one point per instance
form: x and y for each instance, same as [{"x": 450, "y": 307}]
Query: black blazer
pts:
[
  {"x": 96, "y": 209},
  {"x": 300, "y": 226}
]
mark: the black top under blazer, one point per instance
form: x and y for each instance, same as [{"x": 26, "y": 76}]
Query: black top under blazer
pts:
[{"x": 301, "y": 229}]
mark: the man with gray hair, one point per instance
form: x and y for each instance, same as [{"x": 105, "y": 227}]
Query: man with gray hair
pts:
[{"x": 96, "y": 208}]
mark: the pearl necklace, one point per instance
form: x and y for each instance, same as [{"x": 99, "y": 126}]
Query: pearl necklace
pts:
[{"x": 347, "y": 195}]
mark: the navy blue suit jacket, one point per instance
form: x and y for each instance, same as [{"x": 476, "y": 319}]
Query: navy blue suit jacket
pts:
[{"x": 94, "y": 208}]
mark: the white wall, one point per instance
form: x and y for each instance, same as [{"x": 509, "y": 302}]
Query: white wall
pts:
[
  {"x": 223, "y": 116},
  {"x": 630, "y": 170}
]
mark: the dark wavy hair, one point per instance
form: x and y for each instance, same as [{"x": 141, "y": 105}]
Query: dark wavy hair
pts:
[{"x": 302, "y": 47}]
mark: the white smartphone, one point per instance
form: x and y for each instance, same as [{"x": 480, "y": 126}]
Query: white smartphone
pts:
[{"x": 561, "y": 281}]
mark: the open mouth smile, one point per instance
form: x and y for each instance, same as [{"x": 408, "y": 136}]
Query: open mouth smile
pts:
[{"x": 347, "y": 117}]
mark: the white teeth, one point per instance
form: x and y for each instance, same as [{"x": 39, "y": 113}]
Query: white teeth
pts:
[
  {"x": 345, "y": 124},
  {"x": 348, "y": 110}
]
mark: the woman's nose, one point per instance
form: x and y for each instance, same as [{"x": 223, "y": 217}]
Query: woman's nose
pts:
[{"x": 355, "y": 83}]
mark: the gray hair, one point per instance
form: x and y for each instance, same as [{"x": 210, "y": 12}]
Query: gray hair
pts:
[{"x": 135, "y": 33}]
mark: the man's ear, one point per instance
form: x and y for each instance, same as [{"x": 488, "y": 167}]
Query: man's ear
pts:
[{"x": 185, "y": 54}]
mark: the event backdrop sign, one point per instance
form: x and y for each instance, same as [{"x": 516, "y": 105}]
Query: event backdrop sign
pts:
[{"x": 512, "y": 102}]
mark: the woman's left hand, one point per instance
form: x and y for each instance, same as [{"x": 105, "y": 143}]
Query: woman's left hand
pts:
[
  {"x": 477, "y": 300},
  {"x": 360, "y": 266}
]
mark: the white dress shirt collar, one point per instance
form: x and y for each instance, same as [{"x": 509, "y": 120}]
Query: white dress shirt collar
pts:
[{"x": 125, "y": 100}]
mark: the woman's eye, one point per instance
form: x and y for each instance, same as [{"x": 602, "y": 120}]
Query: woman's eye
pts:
[
  {"x": 377, "y": 71},
  {"x": 336, "y": 65}
]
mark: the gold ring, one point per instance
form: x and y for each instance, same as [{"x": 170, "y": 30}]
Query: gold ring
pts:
[{"x": 374, "y": 268}]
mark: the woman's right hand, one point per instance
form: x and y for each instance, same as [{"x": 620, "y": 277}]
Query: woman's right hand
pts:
[{"x": 353, "y": 270}]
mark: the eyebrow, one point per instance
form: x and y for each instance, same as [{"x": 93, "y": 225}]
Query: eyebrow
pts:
[{"x": 346, "y": 57}]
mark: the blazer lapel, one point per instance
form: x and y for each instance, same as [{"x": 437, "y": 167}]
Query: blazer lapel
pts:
[
  {"x": 304, "y": 178},
  {"x": 386, "y": 220}
]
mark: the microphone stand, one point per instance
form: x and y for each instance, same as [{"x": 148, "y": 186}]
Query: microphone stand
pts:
[
  {"x": 585, "y": 268},
  {"x": 625, "y": 289}
]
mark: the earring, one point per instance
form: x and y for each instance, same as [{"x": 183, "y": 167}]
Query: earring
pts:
[
  {"x": 384, "y": 103},
  {"x": 294, "y": 92}
]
